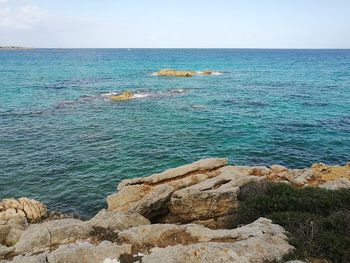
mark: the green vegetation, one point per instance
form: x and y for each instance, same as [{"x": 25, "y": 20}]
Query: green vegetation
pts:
[{"x": 318, "y": 220}]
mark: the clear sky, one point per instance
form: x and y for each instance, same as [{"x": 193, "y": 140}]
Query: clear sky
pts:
[{"x": 180, "y": 23}]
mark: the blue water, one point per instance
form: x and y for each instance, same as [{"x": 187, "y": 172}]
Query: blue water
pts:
[{"x": 64, "y": 143}]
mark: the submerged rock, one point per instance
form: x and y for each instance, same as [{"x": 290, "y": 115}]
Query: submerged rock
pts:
[{"x": 30, "y": 209}]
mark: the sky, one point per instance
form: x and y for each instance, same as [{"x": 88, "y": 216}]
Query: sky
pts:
[{"x": 175, "y": 24}]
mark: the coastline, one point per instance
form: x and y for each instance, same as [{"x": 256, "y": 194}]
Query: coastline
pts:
[{"x": 173, "y": 214}]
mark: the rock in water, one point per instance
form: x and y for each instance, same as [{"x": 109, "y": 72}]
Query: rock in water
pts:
[
  {"x": 184, "y": 73},
  {"x": 125, "y": 95},
  {"x": 175, "y": 73},
  {"x": 31, "y": 209}
]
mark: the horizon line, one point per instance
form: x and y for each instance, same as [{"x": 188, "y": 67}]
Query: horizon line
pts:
[{"x": 263, "y": 48}]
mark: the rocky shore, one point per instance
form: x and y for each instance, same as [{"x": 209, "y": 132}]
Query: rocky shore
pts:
[{"x": 183, "y": 214}]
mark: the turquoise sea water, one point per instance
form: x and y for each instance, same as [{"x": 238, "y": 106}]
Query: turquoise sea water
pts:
[{"x": 64, "y": 143}]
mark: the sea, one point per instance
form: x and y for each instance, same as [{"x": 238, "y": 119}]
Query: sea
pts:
[{"x": 65, "y": 143}]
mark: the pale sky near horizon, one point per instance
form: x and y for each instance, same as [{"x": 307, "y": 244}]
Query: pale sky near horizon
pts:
[{"x": 176, "y": 24}]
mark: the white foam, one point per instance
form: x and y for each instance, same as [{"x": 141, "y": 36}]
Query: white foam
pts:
[
  {"x": 217, "y": 73},
  {"x": 140, "y": 96},
  {"x": 178, "y": 91},
  {"x": 110, "y": 94}
]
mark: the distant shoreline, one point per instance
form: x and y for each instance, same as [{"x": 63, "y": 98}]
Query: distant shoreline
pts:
[{"x": 15, "y": 48}]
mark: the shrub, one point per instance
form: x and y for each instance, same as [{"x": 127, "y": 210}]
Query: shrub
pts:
[{"x": 318, "y": 220}]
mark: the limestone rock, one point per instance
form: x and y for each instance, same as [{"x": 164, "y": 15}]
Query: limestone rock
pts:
[
  {"x": 149, "y": 195},
  {"x": 336, "y": 184},
  {"x": 41, "y": 258},
  {"x": 4, "y": 230},
  {"x": 150, "y": 203},
  {"x": 117, "y": 221},
  {"x": 260, "y": 241},
  {"x": 303, "y": 178},
  {"x": 254, "y": 250},
  {"x": 87, "y": 253},
  {"x": 13, "y": 236},
  {"x": 205, "y": 192},
  {"x": 5, "y": 251},
  {"x": 325, "y": 173},
  {"x": 278, "y": 168},
  {"x": 17, "y": 222},
  {"x": 217, "y": 222},
  {"x": 318, "y": 174},
  {"x": 38, "y": 237},
  {"x": 17, "y": 226},
  {"x": 162, "y": 235},
  {"x": 204, "y": 204},
  {"x": 177, "y": 173},
  {"x": 212, "y": 198},
  {"x": 23, "y": 207}
]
